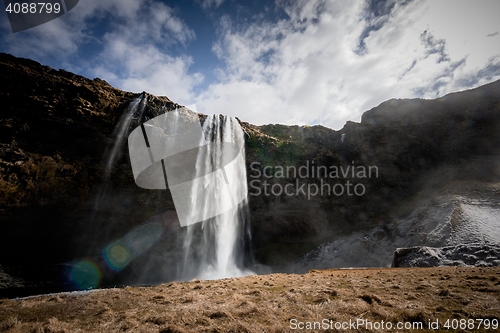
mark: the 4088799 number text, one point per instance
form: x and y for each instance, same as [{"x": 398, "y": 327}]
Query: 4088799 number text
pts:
[{"x": 33, "y": 8}]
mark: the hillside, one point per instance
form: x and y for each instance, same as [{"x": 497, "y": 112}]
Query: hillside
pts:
[{"x": 63, "y": 198}]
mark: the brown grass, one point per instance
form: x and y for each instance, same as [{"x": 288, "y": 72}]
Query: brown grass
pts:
[{"x": 266, "y": 303}]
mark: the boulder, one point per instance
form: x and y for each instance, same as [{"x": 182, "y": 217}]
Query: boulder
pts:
[{"x": 474, "y": 254}]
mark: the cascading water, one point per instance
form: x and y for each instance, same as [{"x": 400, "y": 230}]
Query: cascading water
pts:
[
  {"x": 204, "y": 169},
  {"x": 215, "y": 248},
  {"x": 102, "y": 204},
  {"x": 134, "y": 109},
  {"x": 136, "y": 106}
]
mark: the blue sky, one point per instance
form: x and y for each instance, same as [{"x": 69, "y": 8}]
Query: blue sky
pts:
[{"x": 290, "y": 62}]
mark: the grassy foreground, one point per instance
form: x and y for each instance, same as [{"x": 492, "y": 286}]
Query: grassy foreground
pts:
[{"x": 276, "y": 303}]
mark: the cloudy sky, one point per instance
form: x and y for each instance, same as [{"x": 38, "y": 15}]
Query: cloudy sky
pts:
[{"x": 290, "y": 62}]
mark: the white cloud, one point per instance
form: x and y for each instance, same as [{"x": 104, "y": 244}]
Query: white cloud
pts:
[
  {"x": 309, "y": 68},
  {"x": 135, "y": 53},
  {"x": 207, "y": 4},
  {"x": 54, "y": 38},
  {"x": 326, "y": 63},
  {"x": 145, "y": 68}
]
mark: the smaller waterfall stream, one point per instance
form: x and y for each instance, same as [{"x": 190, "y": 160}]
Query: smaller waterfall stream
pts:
[
  {"x": 138, "y": 104},
  {"x": 135, "y": 107}
]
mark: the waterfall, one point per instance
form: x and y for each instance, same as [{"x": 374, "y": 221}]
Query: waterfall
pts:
[
  {"x": 204, "y": 169},
  {"x": 121, "y": 130},
  {"x": 215, "y": 247},
  {"x": 136, "y": 106}
]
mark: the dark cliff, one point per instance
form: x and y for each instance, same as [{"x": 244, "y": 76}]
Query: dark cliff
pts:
[
  {"x": 418, "y": 146},
  {"x": 59, "y": 202}
]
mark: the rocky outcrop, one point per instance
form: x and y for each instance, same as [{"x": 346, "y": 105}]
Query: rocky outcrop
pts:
[
  {"x": 478, "y": 255},
  {"x": 7, "y": 281}
]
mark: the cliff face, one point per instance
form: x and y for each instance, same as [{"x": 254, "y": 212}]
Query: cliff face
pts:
[
  {"x": 56, "y": 198},
  {"x": 60, "y": 201},
  {"x": 418, "y": 146}
]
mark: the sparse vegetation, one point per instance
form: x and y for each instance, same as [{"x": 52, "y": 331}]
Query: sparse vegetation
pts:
[{"x": 267, "y": 303}]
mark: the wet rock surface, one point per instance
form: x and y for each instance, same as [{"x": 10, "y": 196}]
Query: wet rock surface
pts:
[
  {"x": 478, "y": 255},
  {"x": 458, "y": 212}
]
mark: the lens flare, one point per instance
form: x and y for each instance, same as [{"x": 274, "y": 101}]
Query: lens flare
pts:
[
  {"x": 85, "y": 275},
  {"x": 116, "y": 255},
  {"x": 121, "y": 252}
]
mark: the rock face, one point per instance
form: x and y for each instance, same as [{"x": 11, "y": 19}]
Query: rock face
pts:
[
  {"x": 478, "y": 255},
  {"x": 448, "y": 214},
  {"x": 63, "y": 200},
  {"x": 57, "y": 201},
  {"x": 419, "y": 146}
]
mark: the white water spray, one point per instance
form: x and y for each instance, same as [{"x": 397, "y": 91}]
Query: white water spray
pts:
[
  {"x": 121, "y": 132},
  {"x": 204, "y": 168},
  {"x": 215, "y": 248},
  {"x": 112, "y": 153}
]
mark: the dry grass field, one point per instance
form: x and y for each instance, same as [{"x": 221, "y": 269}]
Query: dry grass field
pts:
[{"x": 318, "y": 301}]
